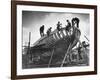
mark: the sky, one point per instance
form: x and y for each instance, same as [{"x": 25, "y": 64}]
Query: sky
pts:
[{"x": 32, "y": 20}]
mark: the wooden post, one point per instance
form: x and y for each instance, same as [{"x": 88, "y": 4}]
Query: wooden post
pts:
[
  {"x": 29, "y": 42},
  {"x": 28, "y": 51},
  {"x": 51, "y": 58},
  {"x": 65, "y": 56},
  {"x": 29, "y": 39}
]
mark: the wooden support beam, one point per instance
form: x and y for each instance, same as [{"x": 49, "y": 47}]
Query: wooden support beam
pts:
[{"x": 51, "y": 58}]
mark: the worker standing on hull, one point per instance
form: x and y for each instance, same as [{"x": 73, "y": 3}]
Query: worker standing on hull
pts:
[
  {"x": 49, "y": 31},
  {"x": 59, "y": 26},
  {"x": 68, "y": 27},
  {"x": 75, "y": 21},
  {"x": 42, "y": 31}
]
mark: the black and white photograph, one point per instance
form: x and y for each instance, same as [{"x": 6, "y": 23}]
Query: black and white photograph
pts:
[
  {"x": 55, "y": 39},
  {"x": 52, "y": 39}
]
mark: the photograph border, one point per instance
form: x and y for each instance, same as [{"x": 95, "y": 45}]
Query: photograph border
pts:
[{"x": 14, "y": 39}]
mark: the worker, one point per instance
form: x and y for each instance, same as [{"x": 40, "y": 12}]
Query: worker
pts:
[
  {"x": 73, "y": 22},
  {"x": 42, "y": 31},
  {"x": 77, "y": 21},
  {"x": 84, "y": 44},
  {"x": 68, "y": 26},
  {"x": 59, "y": 26},
  {"x": 79, "y": 52},
  {"x": 49, "y": 31}
]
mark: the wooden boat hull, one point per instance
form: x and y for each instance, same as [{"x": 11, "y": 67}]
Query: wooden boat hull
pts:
[{"x": 57, "y": 42}]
